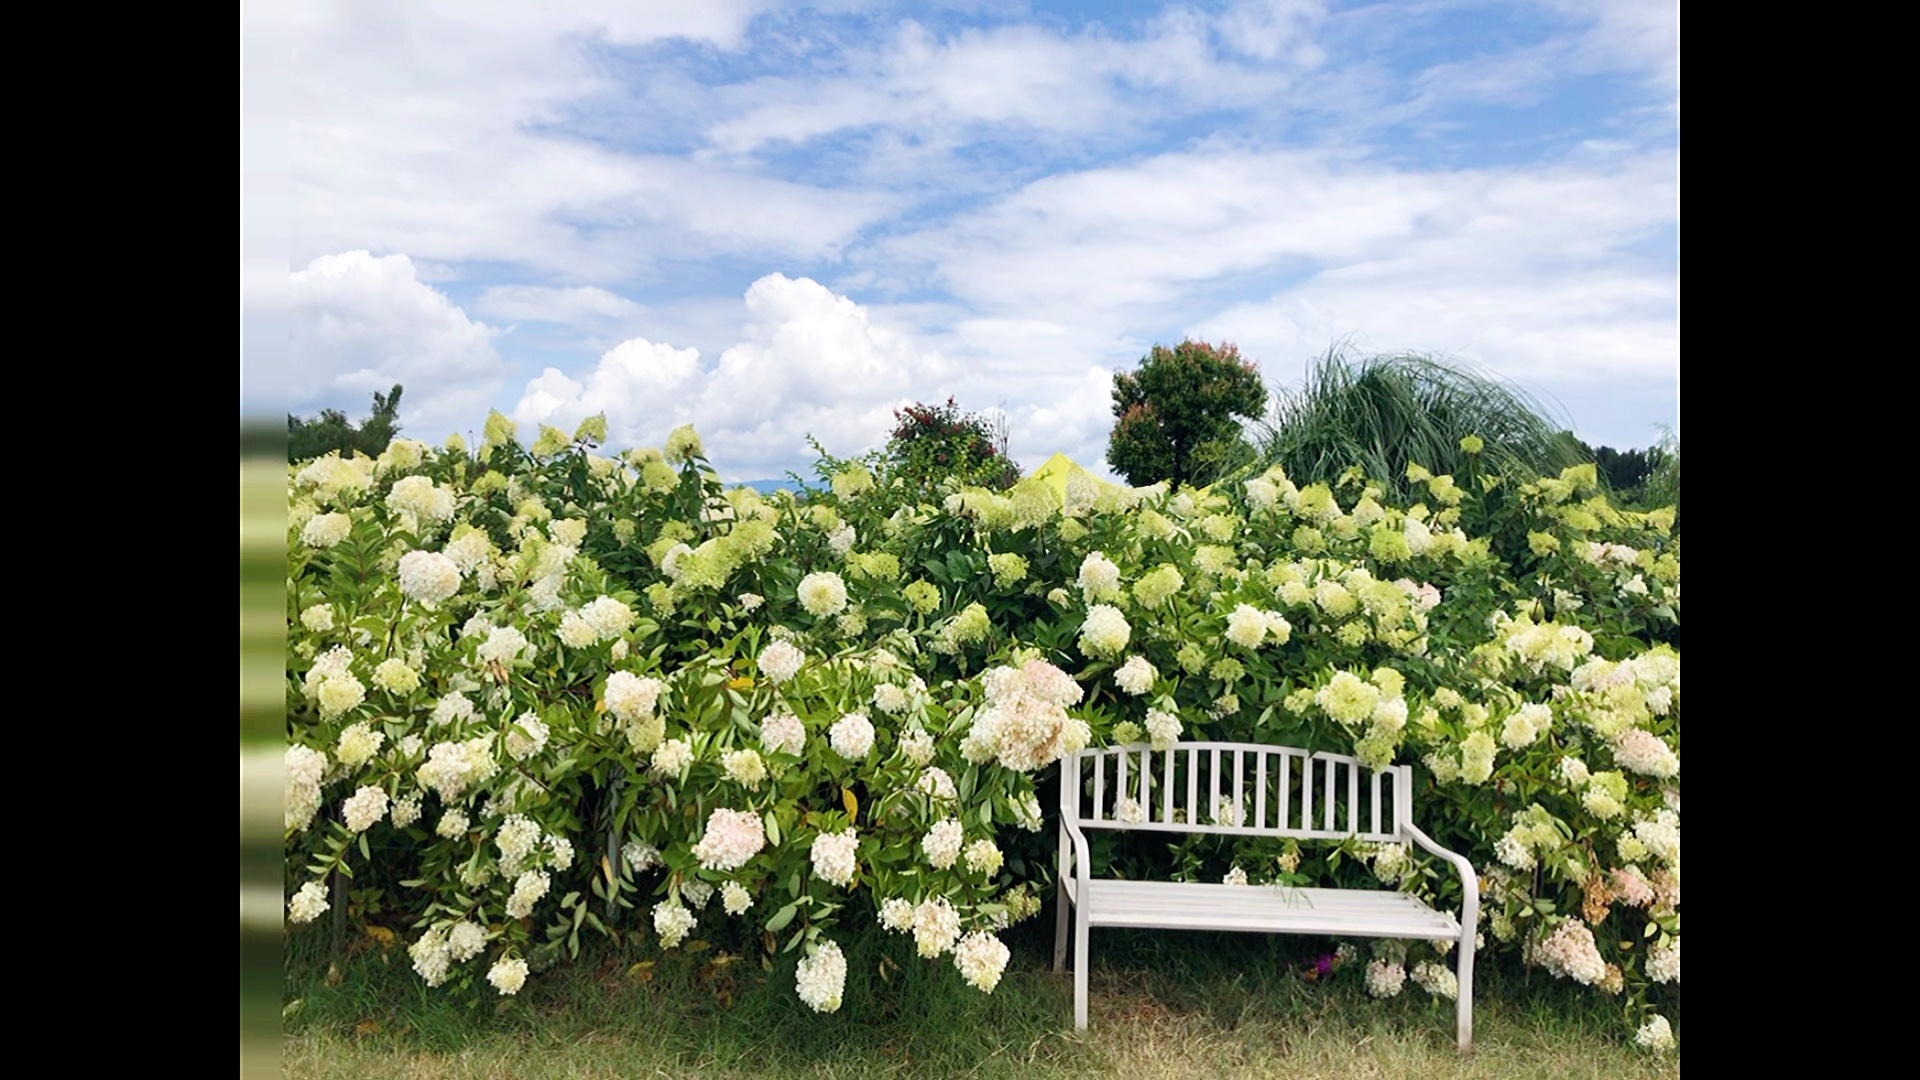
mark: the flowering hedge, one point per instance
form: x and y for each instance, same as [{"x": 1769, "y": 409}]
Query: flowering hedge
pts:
[{"x": 535, "y": 691}]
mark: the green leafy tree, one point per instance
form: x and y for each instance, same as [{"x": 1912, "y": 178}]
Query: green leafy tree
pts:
[
  {"x": 1178, "y": 417},
  {"x": 931, "y": 443},
  {"x": 331, "y": 430}
]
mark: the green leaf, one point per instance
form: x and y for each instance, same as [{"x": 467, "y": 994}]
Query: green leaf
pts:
[{"x": 782, "y": 917}]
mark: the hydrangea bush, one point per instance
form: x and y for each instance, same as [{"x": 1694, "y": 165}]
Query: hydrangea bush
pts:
[{"x": 535, "y": 691}]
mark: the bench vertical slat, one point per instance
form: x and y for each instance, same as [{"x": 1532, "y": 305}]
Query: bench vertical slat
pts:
[
  {"x": 1402, "y": 798},
  {"x": 1353, "y": 798},
  {"x": 1146, "y": 786},
  {"x": 1099, "y": 785},
  {"x": 1213, "y": 798},
  {"x": 1306, "y": 792},
  {"x": 1239, "y": 791},
  {"x": 1166, "y": 787},
  {"x": 1376, "y": 800},
  {"x": 1327, "y": 819},
  {"x": 1260, "y": 790},
  {"x": 1286, "y": 785},
  {"x": 1193, "y": 787},
  {"x": 1119, "y": 779}
]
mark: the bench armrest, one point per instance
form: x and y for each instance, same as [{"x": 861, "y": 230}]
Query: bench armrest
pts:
[
  {"x": 1469, "y": 881},
  {"x": 1082, "y": 859}
]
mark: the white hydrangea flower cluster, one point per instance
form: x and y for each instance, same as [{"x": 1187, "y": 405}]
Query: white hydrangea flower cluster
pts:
[
  {"x": 732, "y": 837},
  {"x": 851, "y": 736},
  {"x": 508, "y": 975},
  {"x": 783, "y": 733},
  {"x": 823, "y": 593},
  {"x": 1641, "y": 751},
  {"x": 331, "y": 684},
  {"x": 396, "y": 678},
  {"x": 331, "y": 477},
  {"x": 1163, "y": 728},
  {"x": 1390, "y": 863},
  {"x": 1026, "y": 809},
  {"x": 528, "y": 888},
  {"x": 631, "y": 697},
  {"x": 452, "y": 767},
  {"x": 780, "y": 661},
  {"x": 936, "y": 926},
  {"x": 821, "y": 978},
  {"x": 984, "y": 857},
  {"x": 428, "y": 576},
  {"x": 981, "y": 958},
  {"x": 735, "y": 898},
  {"x": 308, "y": 904},
  {"x": 833, "y": 857},
  {"x": 942, "y": 843},
  {"x": 421, "y": 498},
  {"x": 326, "y": 530},
  {"x": 1526, "y": 724},
  {"x": 1661, "y": 836},
  {"x": 896, "y": 915},
  {"x": 1249, "y": 627},
  {"x": 358, "y": 743},
  {"x": 527, "y": 736},
  {"x": 473, "y": 553},
  {"x": 318, "y": 618},
  {"x": 1385, "y": 979},
  {"x": 504, "y": 645},
  {"x": 516, "y": 838},
  {"x": 1235, "y": 876},
  {"x": 405, "y": 811},
  {"x": 1655, "y": 1035},
  {"x": 432, "y": 957},
  {"x": 1540, "y": 646},
  {"x": 1663, "y": 960},
  {"x": 1099, "y": 579},
  {"x": 1436, "y": 979},
  {"x": 451, "y": 708},
  {"x": 935, "y": 783},
  {"x": 745, "y": 768},
  {"x": 672, "y": 922},
  {"x": 364, "y": 808},
  {"x": 672, "y": 757},
  {"x": 453, "y": 825},
  {"x": 1136, "y": 676},
  {"x": 1025, "y": 724},
  {"x": 640, "y": 856},
  {"x": 889, "y": 698},
  {"x": 917, "y": 747},
  {"x": 1569, "y": 951},
  {"x": 1105, "y": 632}
]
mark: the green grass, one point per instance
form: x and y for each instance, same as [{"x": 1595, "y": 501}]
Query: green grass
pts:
[
  {"x": 1161, "y": 1006},
  {"x": 1382, "y": 412}
]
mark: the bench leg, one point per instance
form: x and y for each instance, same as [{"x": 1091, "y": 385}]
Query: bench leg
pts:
[
  {"x": 1060, "y": 926},
  {"x": 1463, "y": 1020},
  {"x": 1080, "y": 965}
]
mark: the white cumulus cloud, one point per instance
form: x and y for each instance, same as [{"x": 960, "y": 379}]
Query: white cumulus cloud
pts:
[{"x": 360, "y": 323}]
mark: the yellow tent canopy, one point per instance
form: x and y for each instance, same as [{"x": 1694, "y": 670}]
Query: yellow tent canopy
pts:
[{"x": 1055, "y": 471}]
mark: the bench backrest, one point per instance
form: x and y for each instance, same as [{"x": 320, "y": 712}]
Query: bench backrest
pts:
[{"x": 1236, "y": 789}]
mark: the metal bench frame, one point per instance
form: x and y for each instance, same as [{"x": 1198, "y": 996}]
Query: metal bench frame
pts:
[{"x": 1289, "y": 785}]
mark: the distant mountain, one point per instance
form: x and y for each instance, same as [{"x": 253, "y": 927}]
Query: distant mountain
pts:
[{"x": 768, "y": 487}]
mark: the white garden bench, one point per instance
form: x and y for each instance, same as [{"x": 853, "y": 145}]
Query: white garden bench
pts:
[{"x": 1293, "y": 794}]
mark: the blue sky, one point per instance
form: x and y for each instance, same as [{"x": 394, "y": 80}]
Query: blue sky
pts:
[{"x": 776, "y": 219}]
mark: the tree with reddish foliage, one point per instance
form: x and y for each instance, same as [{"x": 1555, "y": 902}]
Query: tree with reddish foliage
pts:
[
  {"x": 1178, "y": 417},
  {"x": 931, "y": 443}
]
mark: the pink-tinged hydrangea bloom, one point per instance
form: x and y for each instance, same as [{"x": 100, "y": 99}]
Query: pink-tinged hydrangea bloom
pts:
[{"x": 732, "y": 837}]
